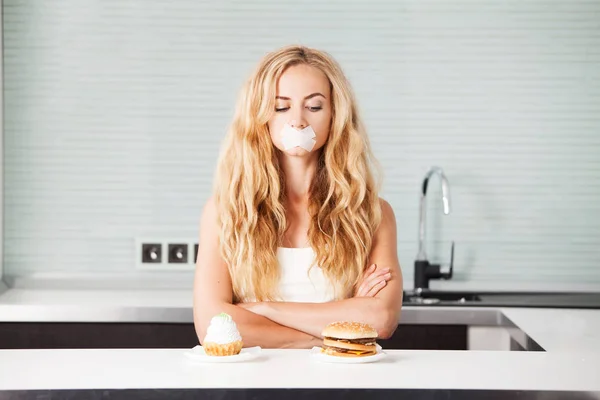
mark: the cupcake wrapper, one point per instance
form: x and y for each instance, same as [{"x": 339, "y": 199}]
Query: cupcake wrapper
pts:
[{"x": 228, "y": 349}]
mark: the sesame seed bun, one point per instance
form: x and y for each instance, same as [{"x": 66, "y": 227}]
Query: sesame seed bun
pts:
[{"x": 349, "y": 330}]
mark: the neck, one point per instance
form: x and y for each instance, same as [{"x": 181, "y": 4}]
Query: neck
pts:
[{"x": 299, "y": 173}]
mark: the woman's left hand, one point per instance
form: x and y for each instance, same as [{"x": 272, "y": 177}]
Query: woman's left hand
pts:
[{"x": 374, "y": 280}]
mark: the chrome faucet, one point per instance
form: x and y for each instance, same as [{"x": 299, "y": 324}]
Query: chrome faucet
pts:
[{"x": 424, "y": 271}]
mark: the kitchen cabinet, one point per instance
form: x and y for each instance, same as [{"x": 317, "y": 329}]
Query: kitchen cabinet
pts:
[{"x": 56, "y": 335}]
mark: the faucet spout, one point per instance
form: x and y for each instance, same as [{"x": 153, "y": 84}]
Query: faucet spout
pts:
[{"x": 422, "y": 256}]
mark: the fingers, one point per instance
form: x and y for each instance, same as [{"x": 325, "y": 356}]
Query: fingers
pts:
[
  {"x": 373, "y": 282},
  {"x": 362, "y": 289},
  {"x": 370, "y": 289},
  {"x": 375, "y": 277},
  {"x": 376, "y": 288}
]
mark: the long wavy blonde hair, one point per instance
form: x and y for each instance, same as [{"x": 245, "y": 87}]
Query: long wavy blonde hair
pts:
[{"x": 249, "y": 187}]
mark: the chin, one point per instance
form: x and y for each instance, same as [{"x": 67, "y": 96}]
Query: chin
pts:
[{"x": 296, "y": 152}]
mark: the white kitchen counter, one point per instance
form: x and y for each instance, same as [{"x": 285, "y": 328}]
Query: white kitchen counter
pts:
[
  {"x": 571, "y": 361},
  {"x": 166, "y": 368},
  {"x": 96, "y": 298}
]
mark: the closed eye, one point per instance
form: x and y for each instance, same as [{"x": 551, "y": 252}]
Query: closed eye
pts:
[
  {"x": 314, "y": 109},
  {"x": 281, "y": 109}
]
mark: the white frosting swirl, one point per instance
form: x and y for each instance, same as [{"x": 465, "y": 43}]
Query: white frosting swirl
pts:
[{"x": 222, "y": 330}]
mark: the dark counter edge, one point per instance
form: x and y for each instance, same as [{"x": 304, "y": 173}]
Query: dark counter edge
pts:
[{"x": 277, "y": 394}]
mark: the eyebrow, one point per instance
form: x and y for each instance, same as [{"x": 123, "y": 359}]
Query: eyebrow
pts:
[{"x": 310, "y": 96}]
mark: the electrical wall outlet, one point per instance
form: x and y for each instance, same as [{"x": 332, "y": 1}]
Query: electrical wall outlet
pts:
[
  {"x": 165, "y": 254},
  {"x": 178, "y": 253},
  {"x": 151, "y": 253}
]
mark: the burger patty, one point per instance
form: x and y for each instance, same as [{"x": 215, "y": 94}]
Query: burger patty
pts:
[
  {"x": 365, "y": 341},
  {"x": 338, "y": 350}
]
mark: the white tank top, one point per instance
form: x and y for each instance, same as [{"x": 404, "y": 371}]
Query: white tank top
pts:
[{"x": 297, "y": 284}]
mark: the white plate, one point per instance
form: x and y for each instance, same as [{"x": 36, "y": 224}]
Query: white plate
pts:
[
  {"x": 318, "y": 355},
  {"x": 198, "y": 354}
]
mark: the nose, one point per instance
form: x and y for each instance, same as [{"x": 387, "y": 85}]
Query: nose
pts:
[
  {"x": 296, "y": 125},
  {"x": 298, "y": 121}
]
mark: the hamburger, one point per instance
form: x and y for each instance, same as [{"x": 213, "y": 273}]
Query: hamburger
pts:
[{"x": 349, "y": 339}]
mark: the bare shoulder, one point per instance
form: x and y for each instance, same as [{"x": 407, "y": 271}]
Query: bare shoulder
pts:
[
  {"x": 210, "y": 207},
  {"x": 388, "y": 217},
  {"x": 386, "y": 208},
  {"x": 208, "y": 218}
]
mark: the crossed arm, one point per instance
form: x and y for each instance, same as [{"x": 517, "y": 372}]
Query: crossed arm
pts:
[{"x": 298, "y": 325}]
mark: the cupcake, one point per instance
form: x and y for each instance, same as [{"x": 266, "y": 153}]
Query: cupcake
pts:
[{"x": 222, "y": 337}]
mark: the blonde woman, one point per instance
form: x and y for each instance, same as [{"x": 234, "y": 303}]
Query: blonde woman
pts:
[{"x": 295, "y": 235}]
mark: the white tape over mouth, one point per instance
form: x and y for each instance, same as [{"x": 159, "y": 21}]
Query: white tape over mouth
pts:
[{"x": 292, "y": 137}]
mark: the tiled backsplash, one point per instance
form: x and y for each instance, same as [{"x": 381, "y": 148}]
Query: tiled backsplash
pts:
[{"x": 114, "y": 113}]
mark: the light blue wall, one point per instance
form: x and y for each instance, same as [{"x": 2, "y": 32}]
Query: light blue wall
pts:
[{"x": 115, "y": 110}]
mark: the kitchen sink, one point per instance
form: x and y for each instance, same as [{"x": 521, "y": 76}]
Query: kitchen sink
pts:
[
  {"x": 503, "y": 299},
  {"x": 436, "y": 297}
]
